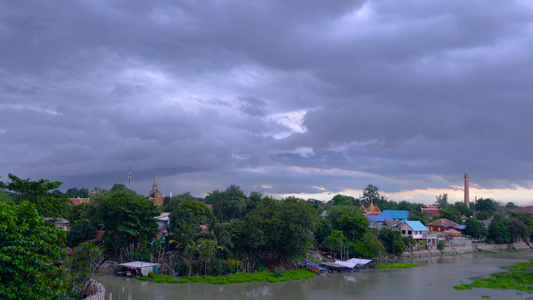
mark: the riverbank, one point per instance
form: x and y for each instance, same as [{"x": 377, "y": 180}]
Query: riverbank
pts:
[
  {"x": 476, "y": 247},
  {"x": 270, "y": 277},
  {"x": 434, "y": 279}
]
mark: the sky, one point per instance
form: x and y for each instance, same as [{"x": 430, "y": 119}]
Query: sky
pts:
[{"x": 306, "y": 98}]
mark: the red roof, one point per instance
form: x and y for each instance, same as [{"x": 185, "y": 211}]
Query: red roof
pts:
[
  {"x": 432, "y": 212},
  {"x": 443, "y": 223}
]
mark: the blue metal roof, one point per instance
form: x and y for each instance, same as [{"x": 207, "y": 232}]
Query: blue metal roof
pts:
[
  {"x": 396, "y": 214},
  {"x": 379, "y": 219},
  {"x": 416, "y": 225}
]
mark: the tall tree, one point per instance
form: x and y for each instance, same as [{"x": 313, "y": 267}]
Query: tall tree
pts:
[
  {"x": 128, "y": 216},
  {"x": 40, "y": 193},
  {"x": 475, "y": 229},
  {"x": 82, "y": 264},
  {"x": 349, "y": 220},
  {"x": 29, "y": 250},
  {"x": 442, "y": 201}
]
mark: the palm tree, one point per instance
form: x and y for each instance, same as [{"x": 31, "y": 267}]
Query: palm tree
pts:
[{"x": 186, "y": 237}]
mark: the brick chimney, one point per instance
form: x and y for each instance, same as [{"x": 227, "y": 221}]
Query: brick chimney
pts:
[{"x": 467, "y": 191}]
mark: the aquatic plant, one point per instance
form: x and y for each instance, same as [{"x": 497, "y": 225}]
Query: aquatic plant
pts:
[
  {"x": 519, "y": 278},
  {"x": 234, "y": 278},
  {"x": 396, "y": 266}
]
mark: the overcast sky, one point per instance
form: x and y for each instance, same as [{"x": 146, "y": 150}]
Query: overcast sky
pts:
[{"x": 308, "y": 98}]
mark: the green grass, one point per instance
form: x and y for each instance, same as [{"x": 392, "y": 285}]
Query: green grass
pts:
[
  {"x": 519, "y": 278},
  {"x": 234, "y": 278},
  {"x": 396, "y": 266}
]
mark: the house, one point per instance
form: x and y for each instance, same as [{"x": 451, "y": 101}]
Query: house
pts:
[
  {"x": 78, "y": 201},
  {"x": 377, "y": 221},
  {"x": 401, "y": 215},
  {"x": 59, "y": 223},
  {"x": 418, "y": 231},
  {"x": 441, "y": 225},
  {"x": 432, "y": 211},
  {"x": 163, "y": 221},
  {"x": 392, "y": 224}
]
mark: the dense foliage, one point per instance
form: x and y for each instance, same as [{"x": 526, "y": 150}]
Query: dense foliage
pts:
[{"x": 30, "y": 252}]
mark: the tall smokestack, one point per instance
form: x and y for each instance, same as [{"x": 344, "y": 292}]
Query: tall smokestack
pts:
[{"x": 467, "y": 191}]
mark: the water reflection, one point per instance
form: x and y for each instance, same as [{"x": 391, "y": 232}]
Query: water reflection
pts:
[{"x": 433, "y": 280}]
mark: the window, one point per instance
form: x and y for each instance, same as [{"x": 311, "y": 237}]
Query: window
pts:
[{"x": 409, "y": 232}]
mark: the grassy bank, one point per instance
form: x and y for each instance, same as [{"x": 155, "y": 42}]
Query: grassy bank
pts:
[
  {"x": 519, "y": 277},
  {"x": 396, "y": 266},
  {"x": 234, "y": 278}
]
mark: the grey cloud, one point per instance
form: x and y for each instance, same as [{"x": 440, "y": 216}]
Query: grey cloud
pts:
[{"x": 393, "y": 92}]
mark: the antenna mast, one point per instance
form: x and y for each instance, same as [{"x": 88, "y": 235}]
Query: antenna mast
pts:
[{"x": 129, "y": 178}]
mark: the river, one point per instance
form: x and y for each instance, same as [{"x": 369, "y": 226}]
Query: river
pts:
[{"x": 433, "y": 279}]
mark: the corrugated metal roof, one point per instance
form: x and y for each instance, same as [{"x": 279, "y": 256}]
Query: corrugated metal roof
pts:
[
  {"x": 396, "y": 214},
  {"x": 416, "y": 225}
]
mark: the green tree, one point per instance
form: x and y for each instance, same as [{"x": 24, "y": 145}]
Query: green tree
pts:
[
  {"x": 323, "y": 230},
  {"x": 82, "y": 264},
  {"x": 463, "y": 209},
  {"x": 198, "y": 210},
  {"x": 349, "y": 220},
  {"x": 483, "y": 215},
  {"x": 336, "y": 241},
  {"x": 278, "y": 229},
  {"x": 80, "y": 231},
  {"x": 29, "y": 250},
  {"x": 229, "y": 204},
  {"x": 40, "y": 193},
  {"x": 392, "y": 241},
  {"x": 475, "y": 229},
  {"x": 207, "y": 250},
  {"x": 127, "y": 216},
  {"x": 487, "y": 205},
  {"x": 77, "y": 193},
  {"x": 172, "y": 203},
  {"x": 451, "y": 213},
  {"x": 342, "y": 200},
  {"x": 442, "y": 201},
  {"x": 498, "y": 233}
]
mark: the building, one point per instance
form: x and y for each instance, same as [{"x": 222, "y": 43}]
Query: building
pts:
[
  {"x": 78, "y": 201},
  {"x": 163, "y": 222},
  {"x": 401, "y": 215},
  {"x": 371, "y": 210},
  {"x": 59, "y": 223},
  {"x": 154, "y": 194},
  {"x": 442, "y": 225},
  {"x": 418, "y": 231},
  {"x": 432, "y": 211}
]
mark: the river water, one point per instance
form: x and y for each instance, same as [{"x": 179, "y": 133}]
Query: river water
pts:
[{"x": 433, "y": 279}]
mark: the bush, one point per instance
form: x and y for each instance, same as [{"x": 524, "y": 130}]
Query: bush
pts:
[{"x": 441, "y": 245}]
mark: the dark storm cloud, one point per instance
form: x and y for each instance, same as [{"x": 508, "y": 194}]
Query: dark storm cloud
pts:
[{"x": 299, "y": 97}]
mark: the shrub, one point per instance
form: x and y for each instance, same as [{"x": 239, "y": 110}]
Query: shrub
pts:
[{"x": 441, "y": 245}]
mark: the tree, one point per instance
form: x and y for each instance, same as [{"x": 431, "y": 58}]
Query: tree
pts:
[
  {"x": 207, "y": 250},
  {"x": 229, "y": 204},
  {"x": 80, "y": 231},
  {"x": 499, "y": 233},
  {"x": 442, "y": 200},
  {"x": 463, "y": 209},
  {"x": 323, "y": 230},
  {"x": 77, "y": 193},
  {"x": 198, "y": 210},
  {"x": 280, "y": 229},
  {"x": 342, "y": 200},
  {"x": 29, "y": 250},
  {"x": 128, "y": 216},
  {"x": 349, "y": 220},
  {"x": 40, "y": 193},
  {"x": 336, "y": 241},
  {"x": 370, "y": 193},
  {"x": 487, "y": 205},
  {"x": 451, "y": 213},
  {"x": 475, "y": 229},
  {"x": 82, "y": 264},
  {"x": 392, "y": 241}
]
